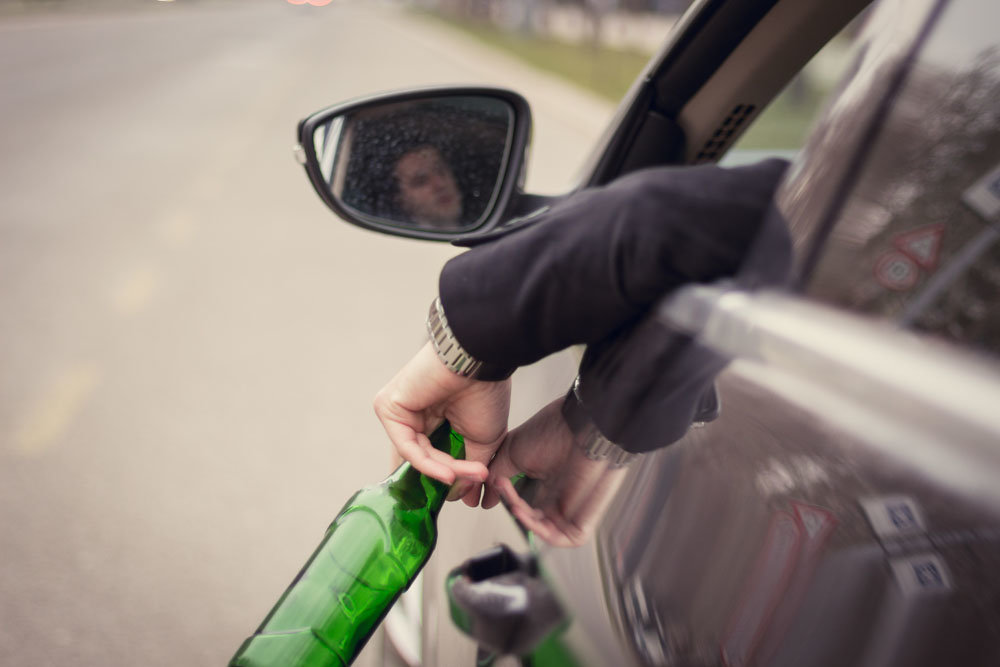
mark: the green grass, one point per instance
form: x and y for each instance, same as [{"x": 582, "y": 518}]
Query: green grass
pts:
[{"x": 607, "y": 72}]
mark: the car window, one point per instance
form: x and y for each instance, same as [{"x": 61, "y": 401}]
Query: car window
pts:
[
  {"x": 912, "y": 188},
  {"x": 784, "y": 124}
]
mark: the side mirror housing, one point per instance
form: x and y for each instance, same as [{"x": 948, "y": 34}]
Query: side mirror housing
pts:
[{"x": 434, "y": 163}]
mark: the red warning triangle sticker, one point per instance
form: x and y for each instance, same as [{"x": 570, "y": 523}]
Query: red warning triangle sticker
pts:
[
  {"x": 816, "y": 520},
  {"x": 922, "y": 245}
]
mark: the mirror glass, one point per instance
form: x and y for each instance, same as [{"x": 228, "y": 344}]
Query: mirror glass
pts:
[{"x": 433, "y": 163}]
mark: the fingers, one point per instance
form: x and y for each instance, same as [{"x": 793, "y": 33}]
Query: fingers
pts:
[
  {"x": 405, "y": 406},
  {"x": 417, "y": 449},
  {"x": 421, "y": 394},
  {"x": 459, "y": 489},
  {"x": 501, "y": 470},
  {"x": 572, "y": 491},
  {"x": 537, "y": 448},
  {"x": 479, "y": 413},
  {"x": 472, "y": 497},
  {"x": 466, "y": 491},
  {"x": 490, "y": 497},
  {"x": 480, "y": 455},
  {"x": 545, "y": 523},
  {"x": 474, "y": 468},
  {"x": 404, "y": 428}
]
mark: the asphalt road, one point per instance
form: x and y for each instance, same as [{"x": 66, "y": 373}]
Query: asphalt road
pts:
[{"x": 190, "y": 340}]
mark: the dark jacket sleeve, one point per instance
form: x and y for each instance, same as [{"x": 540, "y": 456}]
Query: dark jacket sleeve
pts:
[
  {"x": 641, "y": 386},
  {"x": 594, "y": 263}
]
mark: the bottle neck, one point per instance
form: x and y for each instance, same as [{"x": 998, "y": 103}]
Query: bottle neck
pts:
[{"x": 417, "y": 490}]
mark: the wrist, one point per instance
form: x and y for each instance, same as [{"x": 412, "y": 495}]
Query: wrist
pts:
[{"x": 587, "y": 436}]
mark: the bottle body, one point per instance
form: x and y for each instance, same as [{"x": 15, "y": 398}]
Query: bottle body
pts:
[{"x": 370, "y": 554}]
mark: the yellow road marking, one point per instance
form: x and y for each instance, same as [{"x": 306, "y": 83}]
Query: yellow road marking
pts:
[{"x": 54, "y": 414}]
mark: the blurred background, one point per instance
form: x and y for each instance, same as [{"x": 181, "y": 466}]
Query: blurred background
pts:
[{"x": 190, "y": 339}]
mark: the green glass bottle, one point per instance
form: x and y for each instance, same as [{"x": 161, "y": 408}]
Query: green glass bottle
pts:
[{"x": 371, "y": 553}]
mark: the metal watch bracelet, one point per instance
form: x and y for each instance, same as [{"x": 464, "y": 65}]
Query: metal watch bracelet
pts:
[
  {"x": 451, "y": 354},
  {"x": 587, "y": 436}
]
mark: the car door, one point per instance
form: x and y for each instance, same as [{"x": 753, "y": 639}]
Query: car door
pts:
[
  {"x": 844, "y": 508},
  {"x": 685, "y": 109}
]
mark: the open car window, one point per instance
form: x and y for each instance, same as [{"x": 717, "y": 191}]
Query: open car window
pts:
[{"x": 784, "y": 125}]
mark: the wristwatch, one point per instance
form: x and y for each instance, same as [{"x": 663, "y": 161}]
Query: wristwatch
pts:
[
  {"x": 587, "y": 436},
  {"x": 451, "y": 354}
]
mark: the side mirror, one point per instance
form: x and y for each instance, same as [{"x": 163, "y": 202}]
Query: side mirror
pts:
[{"x": 432, "y": 164}]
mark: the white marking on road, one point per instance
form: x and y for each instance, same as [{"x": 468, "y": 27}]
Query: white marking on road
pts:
[
  {"x": 51, "y": 418},
  {"x": 135, "y": 290}
]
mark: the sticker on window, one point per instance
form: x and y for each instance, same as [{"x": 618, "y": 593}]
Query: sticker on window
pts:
[
  {"x": 920, "y": 575},
  {"x": 984, "y": 196},
  {"x": 922, "y": 245},
  {"x": 893, "y": 516},
  {"x": 896, "y": 271}
]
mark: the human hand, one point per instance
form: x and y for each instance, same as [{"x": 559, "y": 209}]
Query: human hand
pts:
[
  {"x": 573, "y": 490},
  {"x": 423, "y": 394}
]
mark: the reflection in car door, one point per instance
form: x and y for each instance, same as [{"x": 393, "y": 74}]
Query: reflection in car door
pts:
[
  {"x": 839, "y": 513},
  {"x": 845, "y": 509}
]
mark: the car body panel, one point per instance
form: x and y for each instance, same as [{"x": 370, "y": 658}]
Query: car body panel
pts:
[
  {"x": 767, "y": 537},
  {"x": 845, "y": 507}
]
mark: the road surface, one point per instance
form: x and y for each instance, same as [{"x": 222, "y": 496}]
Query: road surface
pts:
[{"x": 190, "y": 339}]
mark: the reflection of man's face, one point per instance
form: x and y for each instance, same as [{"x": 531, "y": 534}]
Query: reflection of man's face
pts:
[{"x": 427, "y": 189}]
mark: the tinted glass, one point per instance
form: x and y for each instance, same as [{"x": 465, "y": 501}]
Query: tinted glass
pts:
[{"x": 916, "y": 196}]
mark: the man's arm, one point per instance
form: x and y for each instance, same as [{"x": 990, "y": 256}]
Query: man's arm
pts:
[
  {"x": 597, "y": 261},
  {"x": 584, "y": 272}
]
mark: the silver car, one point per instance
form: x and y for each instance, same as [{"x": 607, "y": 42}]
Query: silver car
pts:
[{"x": 837, "y": 501}]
